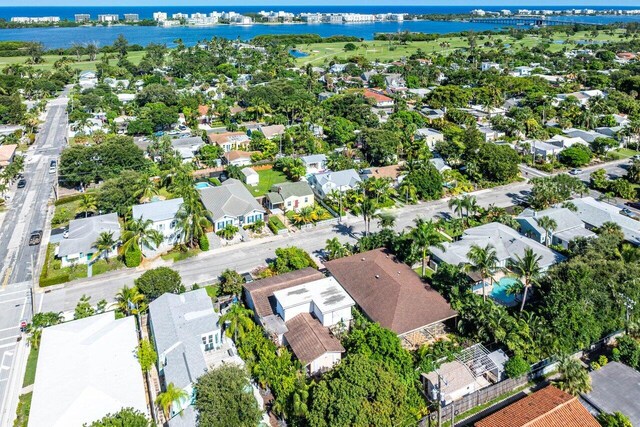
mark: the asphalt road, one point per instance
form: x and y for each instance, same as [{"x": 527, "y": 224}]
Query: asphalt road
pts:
[{"x": 26, "y": 213}]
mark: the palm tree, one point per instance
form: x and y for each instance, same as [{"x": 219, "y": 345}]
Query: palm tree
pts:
[
  {"x": 139, "y": 234},
  {"x": 425, "y": 235},
  {"x": 527, "y": 268},
  {"x": 548, "y": 225},
  {"x": 574, "y": 379},
  {"x": 484, "y": 261},
  {"x": 386, "y": 220},
  {"x": 145, "y": 188},
  {"x": 130, "y": 301},
  {"x": 192, "y": 219},
  {"x": 368, "y": 209},
  {"x": 103, "y": 244},
  {"x": 336, "y": 250},
  {"x": 87, "y": 204},
  {"x": 306, "y": 215},
  {"x": 470, "y": 204},
  {"x": 169, "y": 396},
  {"x": 457, "y": 205},
  {"x": 239, "y": 321}
]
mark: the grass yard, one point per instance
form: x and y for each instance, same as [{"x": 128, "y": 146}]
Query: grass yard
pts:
[
  {"x": 22, "y": 413},
  {"x": 268, "y": 177},
  {"x": 83, "y": 64},
  {"x": 212, "y": 290},
  {"x": 32, "y": 362},
  {"x": 622, "y": 153},
  {"x": 427, "y": 272},
  {"x": 178, "y": 255},
  {"x": 323, "y": 53},
  {"x": 65, "y": 212}
]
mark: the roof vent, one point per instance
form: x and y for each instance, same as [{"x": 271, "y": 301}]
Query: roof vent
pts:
[
  {"x": 362, "y": 259},
  {"x": 398, "y": 272},
  {"x": 377, "y": 276}
]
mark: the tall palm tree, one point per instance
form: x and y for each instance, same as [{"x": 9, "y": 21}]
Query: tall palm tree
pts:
[
  {"x": 549, "y": 225},
  {"x": 145, "y": 188},
  {"x": 386, "y": 220},
  {"x": 103, "y": 244},
  {"x": 335, "y": 249},
  {"x": 484, "y": 261},
  {"x": 192, "y": 219},
  {"x": 368, "y": 209},
  {"x": 457, "y": 205},
  {"x": 169, "y": 396},
  {"x": 139, "y": 234},
  {"x": 425, "y": 235},
  {"x": 87, "y": 204},
  {"x": 470, "y": 204},
  {"x": 574, "y": 379},
  {"x": 239, "y": 319},
  {"x": 128, "y": 298},
  {"x": 527, "y": 268}
]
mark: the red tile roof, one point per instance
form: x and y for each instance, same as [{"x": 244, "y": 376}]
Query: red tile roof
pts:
[
  {"x": 368, "y": 93},
  {"x": 7, "y": 152},
  {"x": 389, "y": 291},
  {"x": 549, "y": 407}
]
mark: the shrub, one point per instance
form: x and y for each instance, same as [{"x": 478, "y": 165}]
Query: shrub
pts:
[
  {"x": 602, "y": 360},
  {"x": 133, "y": 258},
  {"x": 615, "y": 355},
  {"x": 158, "y": 281},
  {"x": 228, "y": 232},
  {"x": 516, "y": 367},
  {"x": 349, "y": 47},
  {"x": 204, "y": 243}
]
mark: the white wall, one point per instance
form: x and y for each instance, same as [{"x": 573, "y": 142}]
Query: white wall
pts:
[
  {"x": 292, "y": 312},
  {"x": 324, "y": 362},
  {"x": 333, "y": 317}
]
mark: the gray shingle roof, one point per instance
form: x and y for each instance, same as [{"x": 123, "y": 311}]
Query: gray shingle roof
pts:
[
  {"x": 157, "y": 211},
  {"x": 85, "y": 231},
  {"x": 507, "y": 243},
  {"x": 281, "y": 192},
  {"x": 178, "y": 323},
  {"x": 229, "y": 199},
  {"x": 564, "y": 218},
  {"x": 596, "y": 213}
]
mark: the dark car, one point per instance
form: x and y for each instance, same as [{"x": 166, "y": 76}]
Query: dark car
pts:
[
  {"x": 634, "y": 205},
  {"x": 22, "y": 183},
  {"x": 247, "y": 277},
  {"x": 35, "y": 238}
]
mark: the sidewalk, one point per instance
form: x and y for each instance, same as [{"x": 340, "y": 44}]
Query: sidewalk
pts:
[{"x": 18, "y": 368}]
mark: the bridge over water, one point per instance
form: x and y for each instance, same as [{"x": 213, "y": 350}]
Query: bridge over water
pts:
[{"x": 540, "y": 21}]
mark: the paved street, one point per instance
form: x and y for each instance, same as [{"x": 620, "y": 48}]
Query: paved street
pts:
[{"x": 27, "y": 212}]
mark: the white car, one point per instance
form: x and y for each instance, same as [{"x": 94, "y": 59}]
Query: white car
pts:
[{"x": 575, "y": 171}]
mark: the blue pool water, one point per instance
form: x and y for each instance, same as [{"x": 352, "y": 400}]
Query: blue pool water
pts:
[
  {"x": 499, "y": 291},
  {"x": 297, "y": 54},
  {"x": 201, "y": 185}
]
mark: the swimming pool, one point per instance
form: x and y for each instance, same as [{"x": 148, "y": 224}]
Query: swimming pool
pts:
[
  {"x": 499, "y": 291},
  {"x": 201, "y": 185}
]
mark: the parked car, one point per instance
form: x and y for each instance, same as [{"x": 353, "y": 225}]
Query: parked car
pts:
[
  {"x": 22, "y": 183},
  {"x": 628, "y": 212},
  {"x": 636, "y": 157},
  {"x": 35, "y": 238},
  {"x": 52, "y": 166},
  {"x": 248, "y": 278},
  {"x": 634, "y": 205},
  {"x": 23, "y": 325},
  {"x": 575, "y": 171}
]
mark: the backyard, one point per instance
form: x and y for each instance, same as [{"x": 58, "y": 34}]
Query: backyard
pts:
[
  {"x": 54, "y": 274},
  {"x": 268, "y": 177}
]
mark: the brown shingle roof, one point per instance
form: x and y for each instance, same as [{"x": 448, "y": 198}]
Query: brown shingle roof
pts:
[
  {"x": 389, "y": 291},
  {"x": 261, "y": 291},
  {"x": 309, "y": 340},
  {"x": 549, "y": 407}
]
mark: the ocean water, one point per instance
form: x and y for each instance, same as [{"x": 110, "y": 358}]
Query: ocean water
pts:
[{"x": 65, "y": 37}]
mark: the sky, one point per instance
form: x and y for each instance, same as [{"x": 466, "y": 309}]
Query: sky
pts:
[{"x": 210, "y": 3}]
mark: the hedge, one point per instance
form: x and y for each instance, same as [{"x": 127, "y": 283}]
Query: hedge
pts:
[
  {"x": 133, "y": 258},
  {"x": 204, "y": 243}
]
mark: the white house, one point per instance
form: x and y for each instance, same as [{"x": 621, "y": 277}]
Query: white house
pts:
[
  {"x": 162, "y": 215},
  {"x": 79, "y": 245},
  {"x": 430, "y": 136},
  {"x": 251, "y": 177},
  {"x": 315, "y": 163},
  {"x": 486, "y": 66},
  {"x": 231, "y": 204},
  {"x": 88, "y": 80},
  {"x": 340, "y": 181}
]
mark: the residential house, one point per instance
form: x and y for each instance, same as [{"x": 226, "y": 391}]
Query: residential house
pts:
[
  {"x": 432, "y": 114},
  {"x": 430, "y": 136},
  {"x": 79, "y": 245},
  {"x": 250, "y": 176},
  {"x": 323, "y": 96},
  {"x": 340, "y": 181},
  {"x": 389, "y": 292},
  {"x": 126, "y": 98},
  {"x": 549, "y": 407},
  {"x": 290, "y": 196},
  {"x": 486, "y": 66},
  {"x": 337, "y": 68},
  {"x": 568, "y": 226},
  {"x": 187, "y": 147},
  {"x": 544, "y": 150},
  {"x": 87, "y": 369},
  {"x": 163, "y": 217},
  {"x": 507, "y": 242},
  {"x": 614, "y": 388},
  {"x": 379, "y": 100},
  {"x": 88, "y": 80},
  {"x": 439, "y": 163},
  {"x": 272, "y": 131},
  {"x": 189, "y": 341},
  {"x": 583, "y": 96},
  {"x": 7, "y": 154},
  {"x": 395, "y": 82},
  {"x": 595, "y": 213},
  {"x": 231, "y": 204},
  {"x": 587, "y": 135},
  {"x": 490, "y": 134},
  {"x": 315, "y": 163},
  {"x": 238, "y": 157},
  {"x": 229, "y": 140},
  {"x": 391, "y": 172}
]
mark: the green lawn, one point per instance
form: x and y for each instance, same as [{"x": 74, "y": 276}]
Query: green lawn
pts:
[
  {"x": 622, "y": 153},
  {"x": 49, "y": 60},
  {"x": 323, "y": 53},
  {"x": 22, "y": 413},
  {"x": 427, "y": 272},
  {"x": 32, "y": 362},
  {"x": 212, "y": 291},
  {"x": 268, "y": 177},
  {"x": 178, "y": 255}
]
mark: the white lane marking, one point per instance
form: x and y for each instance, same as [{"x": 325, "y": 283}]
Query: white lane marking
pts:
[{"x": 11, "y": 300}]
